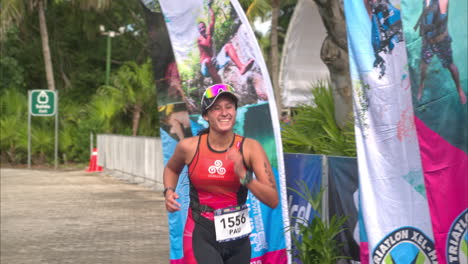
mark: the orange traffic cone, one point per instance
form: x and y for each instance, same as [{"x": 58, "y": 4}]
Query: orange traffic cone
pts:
[{"x": 93, "y": 162}]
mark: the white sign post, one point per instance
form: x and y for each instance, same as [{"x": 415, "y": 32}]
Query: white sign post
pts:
[{"x": 43, "y": 103}]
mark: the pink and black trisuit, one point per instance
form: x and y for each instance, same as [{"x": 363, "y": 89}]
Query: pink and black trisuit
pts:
[{"x": 213, "y": 185}]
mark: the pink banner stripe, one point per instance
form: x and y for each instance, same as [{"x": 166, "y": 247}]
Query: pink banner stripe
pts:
[
  {"x": 272, "y": 257},
  {"x": 364, "y": 252},
  {"x": 445, "y": 169},
  {"x": 177, "y": 261}
]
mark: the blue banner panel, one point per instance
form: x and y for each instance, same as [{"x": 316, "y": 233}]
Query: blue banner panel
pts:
[
  {"x": 343, "y": 201},
  {"x": 302, "y": 170}
]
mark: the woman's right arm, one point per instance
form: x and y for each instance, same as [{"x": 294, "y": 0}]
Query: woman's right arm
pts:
[{"x": 171, "y": 175}]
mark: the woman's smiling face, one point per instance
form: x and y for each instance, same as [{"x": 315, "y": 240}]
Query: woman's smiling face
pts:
[{"x": 222, "y": 114}]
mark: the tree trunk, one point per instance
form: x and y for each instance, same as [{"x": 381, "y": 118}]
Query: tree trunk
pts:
[
  {"x": 45, "y": 47},
  {"x": 136, "y": 119},
  {"x": 334, "y": 54},
  {"x": 274, "y": 53}
]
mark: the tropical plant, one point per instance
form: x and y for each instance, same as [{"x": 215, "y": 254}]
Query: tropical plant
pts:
[
  {"x": 42, "y": 140},
  {"x": 314, "y": 129},
  {"x": 13, "y": 125},
  {"x": 131, "y": 94},
  {"x": 72, "y": 131},
  {"x": 315, "y": 242}
]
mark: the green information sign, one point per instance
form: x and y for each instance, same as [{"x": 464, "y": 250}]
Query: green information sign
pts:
[{"x": 42, "y": 102}]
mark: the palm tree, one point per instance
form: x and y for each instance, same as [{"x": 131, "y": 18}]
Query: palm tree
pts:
[
  {"x": 136, "y": 86},
  {"x": 270, "y": 9},
  {"x": 334, "y": 51},
  {"x": 334, "y": 54},
  {"x": 13, "y": 12},
  {"x": 274, "y": 52},
  {"x": 131, "y": 91}
]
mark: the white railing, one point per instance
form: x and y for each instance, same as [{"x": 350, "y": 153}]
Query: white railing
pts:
[{"x": 135, "y": 159}]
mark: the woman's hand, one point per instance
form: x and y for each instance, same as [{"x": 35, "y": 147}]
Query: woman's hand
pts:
[
  {"x": 239, "y": 168},
  {"x": 171, "y": 204}
]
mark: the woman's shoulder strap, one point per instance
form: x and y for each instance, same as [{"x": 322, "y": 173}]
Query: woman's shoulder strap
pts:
[{"x": 197, "y": 148}]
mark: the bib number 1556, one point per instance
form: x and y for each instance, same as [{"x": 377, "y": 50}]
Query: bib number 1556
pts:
[{"x": 232, "y": 223}]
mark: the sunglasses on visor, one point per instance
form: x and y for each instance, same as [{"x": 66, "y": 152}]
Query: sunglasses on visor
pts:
[{"x": 213, "y": 91}]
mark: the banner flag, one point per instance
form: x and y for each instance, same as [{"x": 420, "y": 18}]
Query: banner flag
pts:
[
  {"x": 231, "y": 55},
  {"x": 341, "y": 173},
  {"x": 344, "y": 201},
  {"x": 391, "y": 182},
  {"x": 436, "y": 41},
  {"x": 302, "y": 170}
]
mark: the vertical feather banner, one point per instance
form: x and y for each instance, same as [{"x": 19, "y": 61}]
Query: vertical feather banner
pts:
[
  {"x": 394, "y": 206},
  {"x": 231, "y": 56}
]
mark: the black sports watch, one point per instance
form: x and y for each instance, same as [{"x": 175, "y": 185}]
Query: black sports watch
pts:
[
  {"x": 247, "y": 178},
  {"x": 167, "y": 189}
]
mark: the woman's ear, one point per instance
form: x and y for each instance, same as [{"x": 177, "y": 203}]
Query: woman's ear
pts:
[{"x": 205, "y": 117}]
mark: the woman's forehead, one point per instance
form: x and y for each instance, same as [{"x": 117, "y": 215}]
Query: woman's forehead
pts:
[{"x": 223, "y": 100}]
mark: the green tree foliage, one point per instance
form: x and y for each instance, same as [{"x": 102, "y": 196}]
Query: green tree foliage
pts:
[
  {"x": 12, "y": 72},
  {"x": 13, "y": 125},
  {"x": 131, "y": 96},
  {"x": 314, "y": 129},
  {"x": 261, "y": 10},
  {"x": 279, "y": 13},
  {"x": 317, "y": 244},
  {"x": 78, "y": 52},
  {"x": 42, "y": 138}
]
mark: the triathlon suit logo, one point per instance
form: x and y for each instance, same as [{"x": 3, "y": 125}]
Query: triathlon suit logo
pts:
[
  {"x": 457, "y": 240},
  {"x": 405, "y": 245},
  {"x": 217, "y": 170}
]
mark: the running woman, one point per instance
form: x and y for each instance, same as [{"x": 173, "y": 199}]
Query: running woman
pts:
[{"x": 220, "y": 169}]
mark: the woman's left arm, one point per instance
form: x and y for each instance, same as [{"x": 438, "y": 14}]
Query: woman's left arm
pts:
[{"x": 264, "y": 186}]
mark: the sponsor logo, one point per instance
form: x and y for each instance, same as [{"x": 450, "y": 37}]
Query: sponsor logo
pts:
[
  {"x": 457, "y": 240},
  {"x": 217, "y": 170},
  {"x": 405, "y": 245},
  {"x": 299, "y": 214}
]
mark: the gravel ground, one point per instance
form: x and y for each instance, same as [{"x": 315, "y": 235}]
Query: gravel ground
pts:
[{"x": 58, "y": 216}]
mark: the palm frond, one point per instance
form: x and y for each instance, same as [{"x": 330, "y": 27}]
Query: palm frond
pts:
[{"x": 314, "y": 129}]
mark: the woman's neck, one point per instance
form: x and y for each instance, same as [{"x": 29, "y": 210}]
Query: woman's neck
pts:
[{"x": 220, "y": 141}]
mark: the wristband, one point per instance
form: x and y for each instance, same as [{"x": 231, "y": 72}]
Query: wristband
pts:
[
  {"x": 248, "y": 177},
  {"x": 167, "y": 189}
]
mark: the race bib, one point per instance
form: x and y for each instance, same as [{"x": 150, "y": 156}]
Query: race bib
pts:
[{"x": 232, "y": 223}]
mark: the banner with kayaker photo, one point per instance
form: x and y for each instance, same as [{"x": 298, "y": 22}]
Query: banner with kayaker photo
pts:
[
  {"x": 393, "y": 202},
  {"x": 436, "y": 41},
  {"x": 213, "y": 42}
]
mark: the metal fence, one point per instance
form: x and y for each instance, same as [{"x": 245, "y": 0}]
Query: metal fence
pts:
[{"x": 135, "y": 159}]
